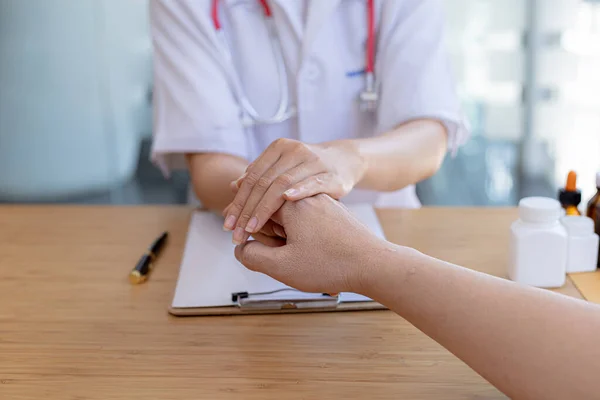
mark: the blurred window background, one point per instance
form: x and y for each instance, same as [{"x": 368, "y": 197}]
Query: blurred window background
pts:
[{"x": 76, "y": 93}]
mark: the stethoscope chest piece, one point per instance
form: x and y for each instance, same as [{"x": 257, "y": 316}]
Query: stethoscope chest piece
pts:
[{"x": 369, "y": 98}]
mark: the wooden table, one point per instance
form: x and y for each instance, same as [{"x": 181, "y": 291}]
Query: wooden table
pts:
[{"x": 71, "y": 326}]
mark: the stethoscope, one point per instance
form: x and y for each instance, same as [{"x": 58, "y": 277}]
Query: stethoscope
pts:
[{"x": 368, "y": 97}]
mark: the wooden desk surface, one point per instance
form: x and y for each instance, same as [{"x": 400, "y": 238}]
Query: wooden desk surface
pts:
[{"x": 71, "y": 327}]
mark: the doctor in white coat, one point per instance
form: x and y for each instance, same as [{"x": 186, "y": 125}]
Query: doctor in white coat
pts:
[{"x": 273, "y": 100}]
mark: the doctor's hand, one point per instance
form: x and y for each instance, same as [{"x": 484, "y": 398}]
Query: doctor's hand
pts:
[
  {"x": 327, "y": 250},
  {"x": 290, "y": 170}
]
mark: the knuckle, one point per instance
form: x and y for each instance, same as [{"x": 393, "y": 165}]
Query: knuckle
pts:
[
  {"x": 315, "y": 200},
  {"x": 315, "y": 158},
  {"x": 282, "y": 142},
  {"x": 285, "y": 180},
  {"x": 317, "y": 183},
  {"x": 245, "y": 217},
  {"x": 235, "y": 207},
  {"x": 322, "y": 198},
  {"x": 251, "y": 179},
  {"x": 302, "y": 149},
  {"x": 264, "y": 182},
  {"x": 304, "y": 203},
  {"x": 264, "y": 210}
]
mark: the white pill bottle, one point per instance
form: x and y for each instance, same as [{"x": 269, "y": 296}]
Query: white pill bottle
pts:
[
  {"x": 538, "y": 244},
  {"x": 582, "y": 255}
]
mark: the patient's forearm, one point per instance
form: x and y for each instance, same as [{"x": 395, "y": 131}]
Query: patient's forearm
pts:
[{"x": 529, "y": 343}]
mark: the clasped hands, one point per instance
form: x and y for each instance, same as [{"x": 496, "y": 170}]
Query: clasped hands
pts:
[{"x": 289, "y": 170}]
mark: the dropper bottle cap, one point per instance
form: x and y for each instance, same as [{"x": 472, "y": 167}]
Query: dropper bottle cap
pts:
[{"x": 570, "y": 195}]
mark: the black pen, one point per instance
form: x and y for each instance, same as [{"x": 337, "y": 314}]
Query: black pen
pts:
[{"x": 141, "y": 271}]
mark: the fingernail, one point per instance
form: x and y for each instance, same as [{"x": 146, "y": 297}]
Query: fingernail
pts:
[
  {"x": 229, "y": 223},
  {"x": 291, "y": 192},
  {"x": 238, "y": 236},
  {"x": 251, "y": 227},
  {"x": 278, "y": 230}
]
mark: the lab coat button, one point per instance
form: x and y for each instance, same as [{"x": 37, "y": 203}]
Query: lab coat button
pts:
[{"x": 312, "y": 72}]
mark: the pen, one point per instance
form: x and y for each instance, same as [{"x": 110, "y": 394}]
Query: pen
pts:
[{"x": 141, "y": 271}]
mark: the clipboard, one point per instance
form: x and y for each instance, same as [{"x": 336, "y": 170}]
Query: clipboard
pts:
[{"x": 212, "y": 282}]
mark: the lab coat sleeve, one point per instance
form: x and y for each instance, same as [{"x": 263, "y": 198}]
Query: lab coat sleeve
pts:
[
  {"x": 195, "y": 110},
  {"x": 415, "y": 76}
]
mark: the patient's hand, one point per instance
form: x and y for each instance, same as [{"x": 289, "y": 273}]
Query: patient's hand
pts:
[{"x": 327, "y": 250}]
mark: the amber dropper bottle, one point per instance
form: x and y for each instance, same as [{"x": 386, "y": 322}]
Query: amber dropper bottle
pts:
[
  {"x": 570, "y": 196},
  {"x": 593, "y": 210},
  {"x": 594, "y": 204}
]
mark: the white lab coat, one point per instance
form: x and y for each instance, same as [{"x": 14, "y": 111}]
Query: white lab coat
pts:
[{"x": 323, "y": 42}]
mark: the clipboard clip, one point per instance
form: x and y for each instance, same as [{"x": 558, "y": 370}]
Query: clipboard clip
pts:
[{"x": 284, "y": 299}]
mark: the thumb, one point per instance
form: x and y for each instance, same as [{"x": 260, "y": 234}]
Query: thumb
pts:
[{"x": 257, "y": 256}]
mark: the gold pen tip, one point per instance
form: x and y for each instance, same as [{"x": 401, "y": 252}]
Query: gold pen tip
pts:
[{"x": 135, "y": 277}]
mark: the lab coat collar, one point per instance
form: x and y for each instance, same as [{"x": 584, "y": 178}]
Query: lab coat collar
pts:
[
  {"x": 319, "y": 12},
  {"x": 294, "y": 19}
]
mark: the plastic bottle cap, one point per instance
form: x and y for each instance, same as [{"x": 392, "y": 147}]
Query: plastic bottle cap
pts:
[
  {"x": 539, "y": 209},
  {"x": 578, "y": 225}
]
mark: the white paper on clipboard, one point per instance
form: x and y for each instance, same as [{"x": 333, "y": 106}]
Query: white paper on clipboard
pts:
[{"x": 209, "y": 272}]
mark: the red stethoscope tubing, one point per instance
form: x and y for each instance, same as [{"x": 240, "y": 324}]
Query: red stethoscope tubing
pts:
[
  {"x": 370, "y": 51},
  {"x": 370, "y": 64}
]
